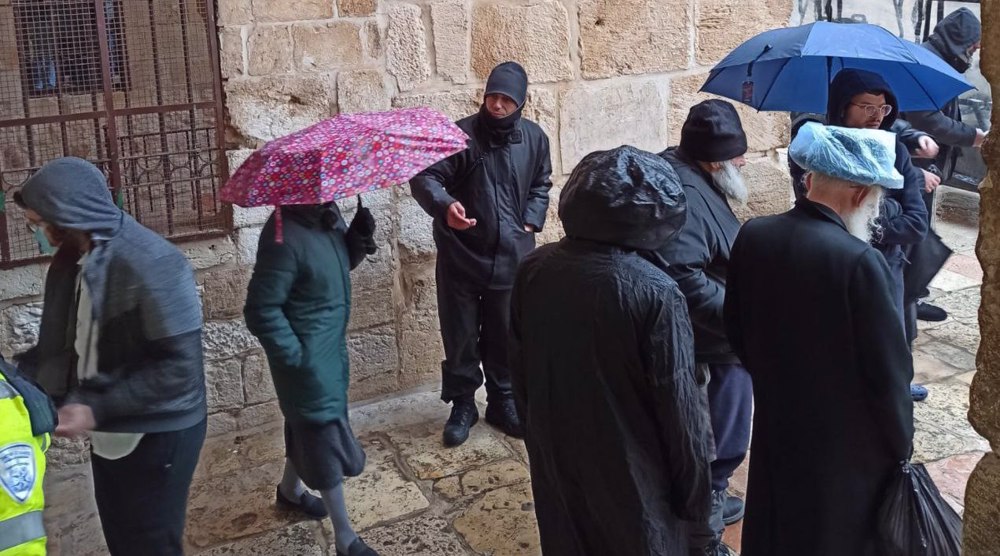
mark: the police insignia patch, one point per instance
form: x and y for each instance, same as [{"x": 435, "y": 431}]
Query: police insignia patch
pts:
[{"x": 17, "y": 470}]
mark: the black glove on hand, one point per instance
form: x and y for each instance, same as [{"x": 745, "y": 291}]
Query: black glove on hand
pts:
[{"x": 363, "y": 227}]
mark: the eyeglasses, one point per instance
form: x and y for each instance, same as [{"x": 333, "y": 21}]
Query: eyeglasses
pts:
[{"x": 871, "y": 109}]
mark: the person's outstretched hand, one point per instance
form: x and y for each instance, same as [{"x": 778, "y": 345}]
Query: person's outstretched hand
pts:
[
  {"x": 363, "y": 226},
  {"x": 456, "y": 219}
]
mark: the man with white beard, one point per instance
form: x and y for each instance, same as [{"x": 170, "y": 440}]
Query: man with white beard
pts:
[
  {"x": 809, "y": 309},
  {"x": 708, "y": 162}
]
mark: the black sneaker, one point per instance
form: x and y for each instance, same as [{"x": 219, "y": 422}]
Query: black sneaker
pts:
[
  {"x": 358, "y": 548},
  {"x": 732, "y": 509},
  {"x": 503, "y": 415},
  {"x": 463, "y": 415},
  {"x": 930, "y": 313},
  {"x": 309, "y": 505}
]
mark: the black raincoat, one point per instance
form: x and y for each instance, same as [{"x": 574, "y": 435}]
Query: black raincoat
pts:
[
  {"x": 809, "y": 310},
  {"x": 950, "y": 41},
  {"x": 603, "y": 372},
  {"x": 503, "y": 183}
]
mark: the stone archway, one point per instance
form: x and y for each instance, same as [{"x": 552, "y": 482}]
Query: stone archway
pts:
[{"x": 982, "y": 509}]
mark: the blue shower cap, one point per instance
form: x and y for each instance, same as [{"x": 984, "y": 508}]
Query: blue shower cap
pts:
[{"x": 861, "y": 156}]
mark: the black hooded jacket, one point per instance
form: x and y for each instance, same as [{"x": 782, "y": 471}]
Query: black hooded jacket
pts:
[
  {"x": 904, "y": 214},
  {"x": 950, "y": 41},
  {"x": 502, "y": 179},
  {"x": 603, "y": 372}
]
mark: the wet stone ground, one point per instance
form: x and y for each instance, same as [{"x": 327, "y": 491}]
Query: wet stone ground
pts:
[{"x": 417, "y": 498}]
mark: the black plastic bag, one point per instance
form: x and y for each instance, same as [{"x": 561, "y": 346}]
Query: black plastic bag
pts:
[
  {"x": 926, "y": 260},
  {"x": 914, "y": 519}
]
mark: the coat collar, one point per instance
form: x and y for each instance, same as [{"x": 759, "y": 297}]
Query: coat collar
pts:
[{"x": 819, "y": 211}]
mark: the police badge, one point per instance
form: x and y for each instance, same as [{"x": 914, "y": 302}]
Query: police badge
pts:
[{"x": 17, "y": 470}]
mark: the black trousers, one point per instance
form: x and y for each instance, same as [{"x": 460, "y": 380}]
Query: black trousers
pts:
[
  {"x": 474, "y": 327},
  {"x": 142, "y": 497},
  {"x": 730, "y": 404}
]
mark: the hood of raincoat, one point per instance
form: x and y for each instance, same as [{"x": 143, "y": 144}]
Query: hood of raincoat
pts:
[
  {"x": 72, "y": 193},
  {"x": 849, "y": 83},
  {"x": 624, "y": 197},
  {"x": 953, "y": 36}
]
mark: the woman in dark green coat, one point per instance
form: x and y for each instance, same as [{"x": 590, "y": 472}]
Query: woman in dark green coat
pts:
[{"x": 298, "y": 306}]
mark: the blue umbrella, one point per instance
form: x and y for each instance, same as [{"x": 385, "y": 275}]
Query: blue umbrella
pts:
[{"x": 789, "y": 70}]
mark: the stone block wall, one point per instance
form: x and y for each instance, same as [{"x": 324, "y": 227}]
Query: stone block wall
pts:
[{"x": 602, "y": 74}]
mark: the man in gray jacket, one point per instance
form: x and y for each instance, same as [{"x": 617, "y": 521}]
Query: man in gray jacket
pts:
[{"x": 120, "y": 351}]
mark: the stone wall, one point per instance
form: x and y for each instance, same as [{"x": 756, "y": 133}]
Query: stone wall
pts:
[
  {"x": 602, "y": 74},
  {"x": 982, "y": 512}
]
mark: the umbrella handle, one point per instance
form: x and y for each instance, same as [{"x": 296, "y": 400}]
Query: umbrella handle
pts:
[{"x": 359, "y": 202}]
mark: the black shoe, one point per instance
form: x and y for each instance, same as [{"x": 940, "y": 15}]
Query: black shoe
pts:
[
  {"x": 358, "y": 548},
  {"x": 503, "y": 415},
  {"x": 720, "y": 549},
  {"x": 463, "y": 415},
  {"x": 308, "y": 505},
  {"x": 930, "y": 313},
  {"x": 732, "y": 509}
]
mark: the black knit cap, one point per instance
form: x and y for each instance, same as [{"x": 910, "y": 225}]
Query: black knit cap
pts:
[
  {"x": 713, "y": 132},
  {"x": 509, "y": 79}
]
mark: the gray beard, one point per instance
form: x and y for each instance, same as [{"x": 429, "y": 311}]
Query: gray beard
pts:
[
  {"x": 730, "y": 181},
  {"x": 862, "y": 223}
]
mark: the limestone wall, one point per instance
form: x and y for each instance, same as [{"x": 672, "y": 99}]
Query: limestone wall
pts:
[
  {"x": 603, "y": 73},
  {"x": 982, "y": 512}
]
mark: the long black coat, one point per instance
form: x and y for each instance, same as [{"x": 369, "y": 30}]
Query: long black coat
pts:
[
  {"x": 603, "y": 372},
  {"x": 504, "y": 186},
  {"x": 697, "y": 258},
  {"x": 809, "y": 310}
]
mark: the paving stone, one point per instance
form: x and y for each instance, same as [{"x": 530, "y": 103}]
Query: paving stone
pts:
[
  {"x": 962, "y": 305},
  {"x": 966, "y": 265},
  {"x": 951, "y": 281},
  {"x": 226, "y": 454},
  {"x": 927, "y": 368},
  {"x": 494, "y": 476},
  {"x": 502, "y": 523},
  {"x": 956, "y": 357},
  {"x": 449, "y": 487},
  {"x": 967, "y": 377},
  {"x": 942, "y": 426},
  {"x": 399, "y": 413},
  {"x": 424, "y": 536},
  {"x": 424, "y": 452},
  {"x": 381, "y": 493},
  {"x": 959, "y": 335},
  {"x": 300, "y": 539},
  {"x": 235, "y": 506},
  {"x": 952, "y": 474}
]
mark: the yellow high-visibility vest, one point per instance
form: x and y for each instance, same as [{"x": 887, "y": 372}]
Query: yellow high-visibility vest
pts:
[{"x": 22, "y": 466}]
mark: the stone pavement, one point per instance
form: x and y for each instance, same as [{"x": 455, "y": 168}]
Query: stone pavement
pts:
[{"x": 417, "y": 498}]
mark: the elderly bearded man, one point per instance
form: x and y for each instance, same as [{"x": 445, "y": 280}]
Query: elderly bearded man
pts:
[
  {"x": 708, "y": 162},
  {"x": 810, "y": 311}
]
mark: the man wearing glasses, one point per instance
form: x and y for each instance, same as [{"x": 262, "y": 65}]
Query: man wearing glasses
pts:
[{"x": 863, "y": 100}]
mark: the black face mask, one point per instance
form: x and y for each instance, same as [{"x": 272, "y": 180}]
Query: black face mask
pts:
[{"x": 502, "y": 129}]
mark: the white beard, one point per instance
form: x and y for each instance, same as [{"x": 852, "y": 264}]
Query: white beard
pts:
[
  {"x": 862, "y": 222},
  {"x": 730, "y": 182}
]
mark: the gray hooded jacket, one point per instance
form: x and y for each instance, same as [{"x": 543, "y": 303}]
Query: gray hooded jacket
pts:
[{"x": 150, "y": 368}]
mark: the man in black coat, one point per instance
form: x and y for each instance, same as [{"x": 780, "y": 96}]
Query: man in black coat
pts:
[
  {"x": 602, "y": 362},
  {"x": 810, "y": 311},
  {"x": 708, "y": 162},
  {"x": 955, "y": 40},
  {"x": 863, "y": 100},
  {"x": 488, "y": 202}
]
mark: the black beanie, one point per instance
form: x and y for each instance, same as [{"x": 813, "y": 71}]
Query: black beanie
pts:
[
  {"x": 509, "y": 79},
  {"x": 713, "y": 132}
]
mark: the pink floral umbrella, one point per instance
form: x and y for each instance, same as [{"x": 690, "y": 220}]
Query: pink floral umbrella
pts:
[{"x": 346, "y": 155}]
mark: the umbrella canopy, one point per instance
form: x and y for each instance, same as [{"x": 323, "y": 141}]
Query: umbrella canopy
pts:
[
  {"x": 345, "y": 155},
  {"x": 789, "y": 70}
]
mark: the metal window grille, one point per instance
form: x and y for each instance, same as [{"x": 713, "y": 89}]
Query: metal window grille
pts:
[{"x": 133, "y": 86}]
